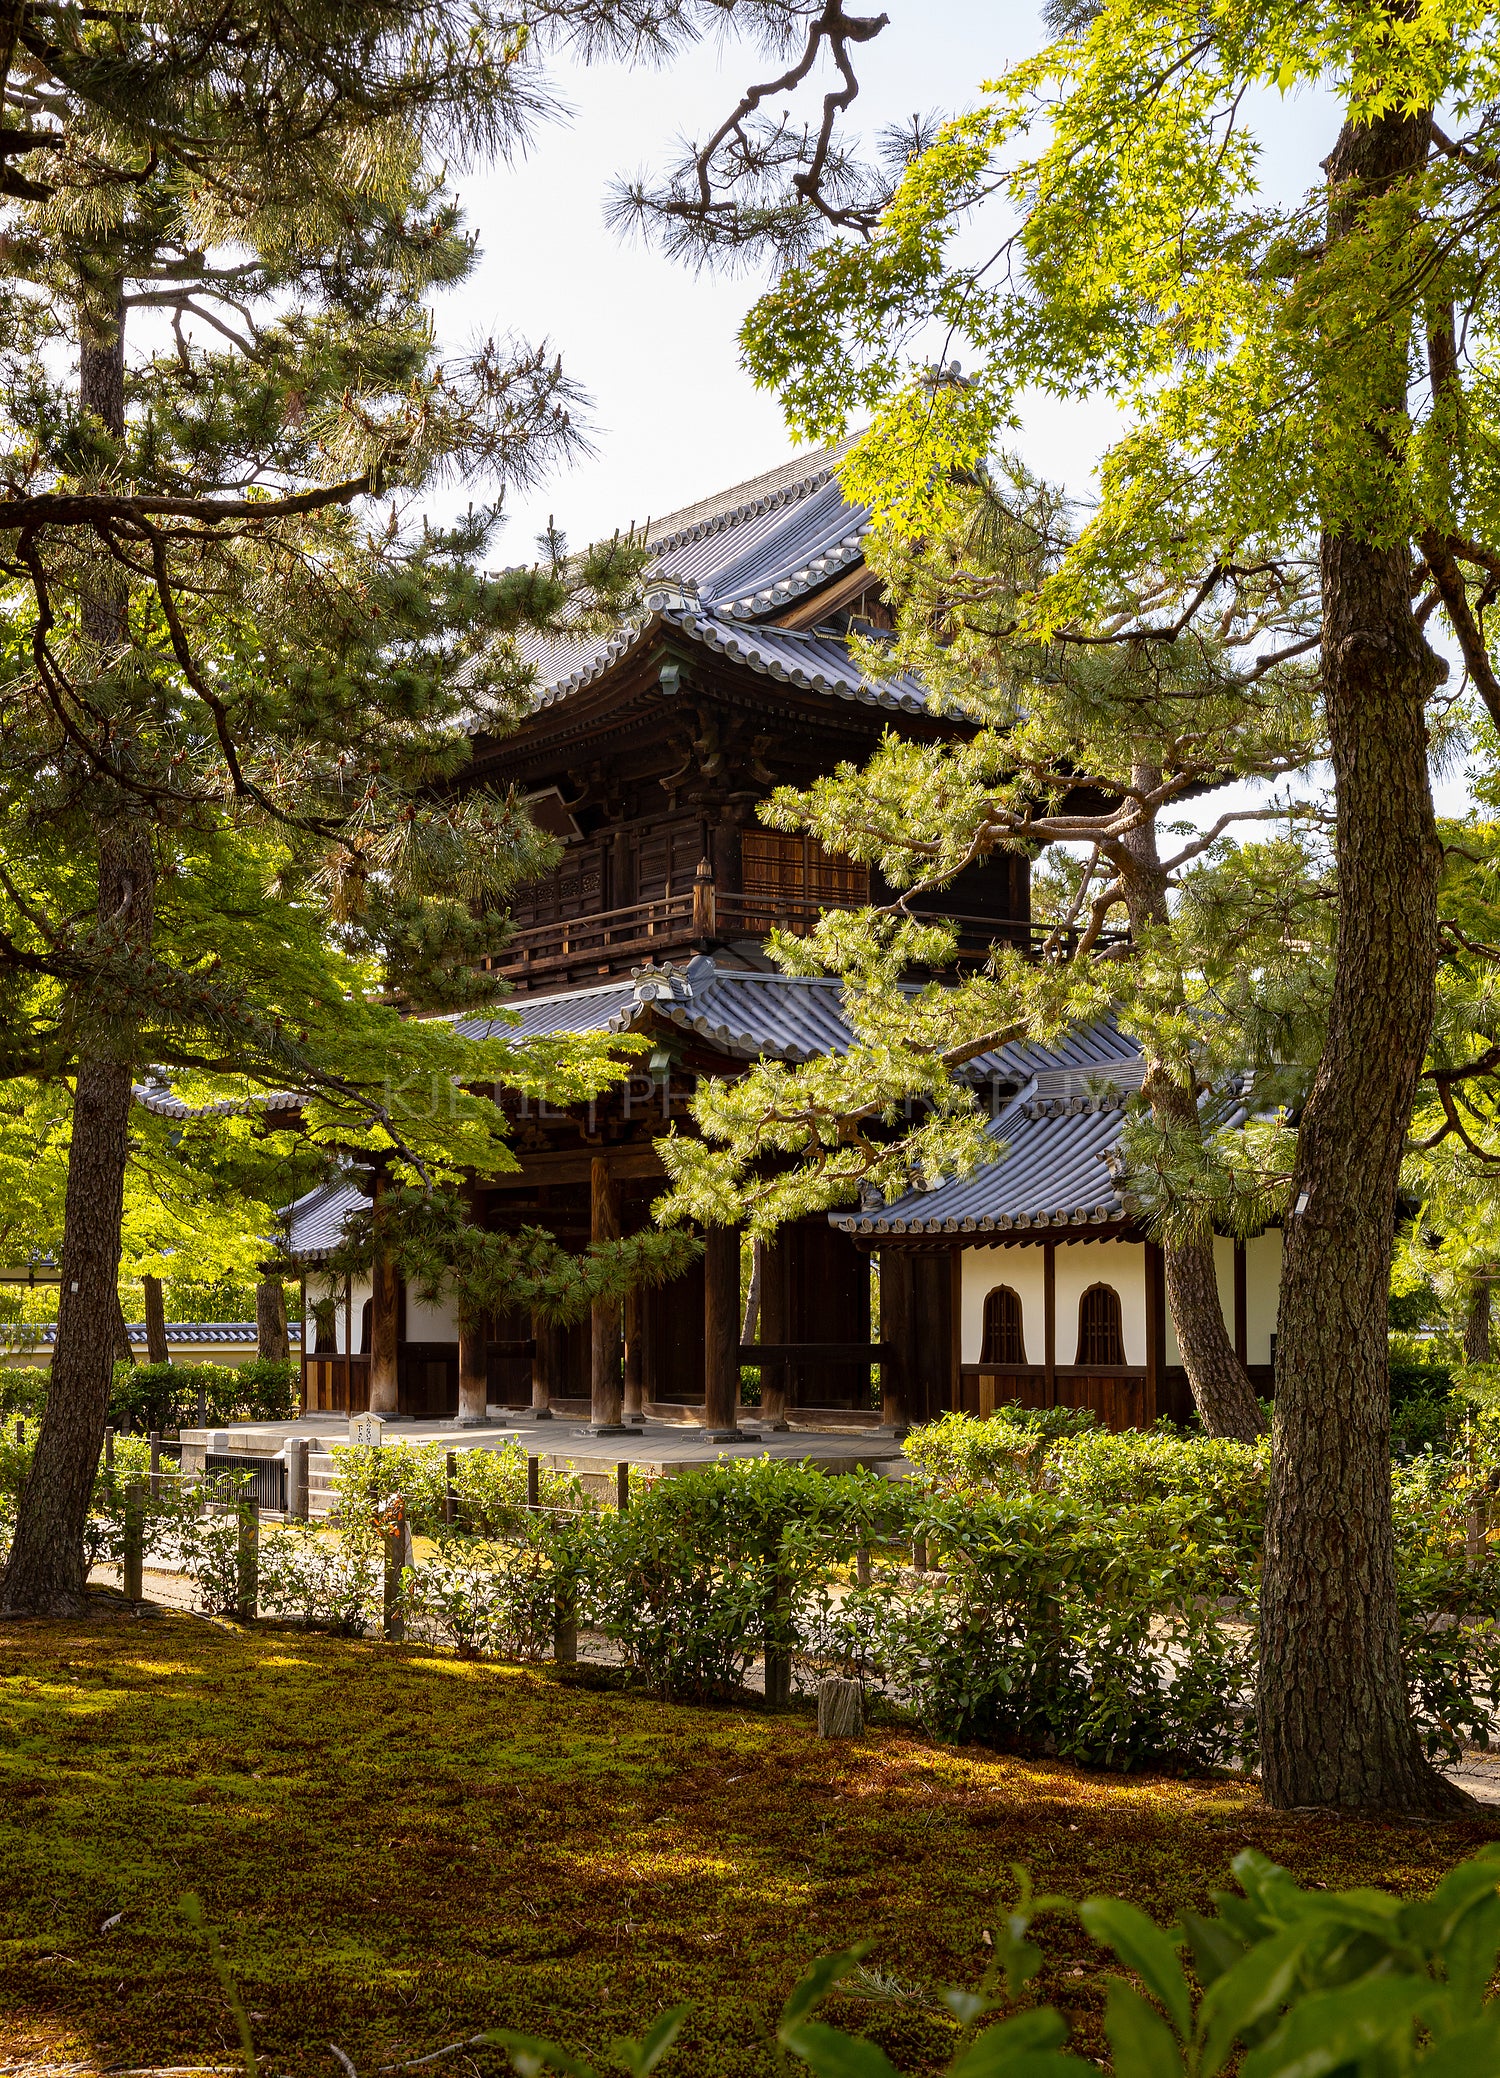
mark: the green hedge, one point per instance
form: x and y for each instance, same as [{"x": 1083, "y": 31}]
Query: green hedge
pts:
[{"x": 165, "y": 1396}]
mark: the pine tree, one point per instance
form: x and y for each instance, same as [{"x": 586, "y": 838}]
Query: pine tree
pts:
[{"x": 231, "y": 224}]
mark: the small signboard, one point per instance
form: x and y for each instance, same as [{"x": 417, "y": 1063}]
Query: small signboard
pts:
[{"x": 366, "y": 1431}]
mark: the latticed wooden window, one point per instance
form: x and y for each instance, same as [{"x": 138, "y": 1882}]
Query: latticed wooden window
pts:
[
  {"x": 780, "y": 871},
  {"x": 1004, "y": 1341},
  {"x": 1100, "y": 1337}
]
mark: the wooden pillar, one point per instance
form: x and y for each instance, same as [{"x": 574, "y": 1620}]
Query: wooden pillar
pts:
[
  {"x": 605, "y": 1341},
  {"x": 546, "y": 1365},
  {"x": 896, "y": 1331},
  {"x": 302, "y": 1347},
  {"x": 385, "y": 1299},
  {"x": 721, "y": 1331},
  {"x": 775, "y": 1326},
  {"x": 955, "y": 1330},
  {"x": 1241, "y": 1306},
  {"x": 1049, "y": 1319},
  {"x": 157, "y": 1351},
  {"x": 473, "y": 1366},
  {"x": 1156, "y": 1288},
  {"x": 635, "y": 1354}
]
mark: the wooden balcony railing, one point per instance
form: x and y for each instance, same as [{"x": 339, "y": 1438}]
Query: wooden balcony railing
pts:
[{"x": 705, "y": 915}]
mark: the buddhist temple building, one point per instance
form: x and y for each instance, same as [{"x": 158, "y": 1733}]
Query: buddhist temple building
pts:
[{"x": 648, "y": 753}]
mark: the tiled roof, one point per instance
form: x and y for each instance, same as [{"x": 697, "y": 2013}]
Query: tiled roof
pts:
[
  {"x": 315, "y": 1224},
  {"x": 815, "y": 663},
  {"x": 786, "y": 1017},
  {"x": 158, "y": 1098},
  {"x": 1051, "y": 1173},
  {"x": 719, "y": 568},
  {"x": 746, "y": 510},
  {"x": 1055, "y": 1169},
  {"x": 229, "y": 1334}
]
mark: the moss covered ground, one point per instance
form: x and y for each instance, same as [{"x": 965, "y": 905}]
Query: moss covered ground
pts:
[{"x": 398, "y": 1848}]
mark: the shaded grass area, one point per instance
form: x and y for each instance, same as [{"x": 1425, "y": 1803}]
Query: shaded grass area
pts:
[{"x": 399, "y": 1848}]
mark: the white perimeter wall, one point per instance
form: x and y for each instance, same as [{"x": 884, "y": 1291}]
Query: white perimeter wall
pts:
[
  {"x": 430, "y": 1323},
  {"x": 1079, "y": 1264},
  {"x": 1122, "y": 1264}
]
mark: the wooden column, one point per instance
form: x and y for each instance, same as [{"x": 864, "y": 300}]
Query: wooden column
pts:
[
  {"x": 1156, "y": 1340},
  {"x": 955, "y": 1330},
  {"x": 1049, "y": 1318},
  {"x": 721, "y": 1331},
  {"x": 473, "y": 1367},
  {"x": 635, "y": 1355},
  {"x": 1241, "y": 1306},
  {"x": 896, "y": 1330},
  {"x": 385, "y": 1300},
  {"x": 604, "y": 1376},
  {"x": 546, "y": 1365},
  {"x": 775, "y": 1326}
]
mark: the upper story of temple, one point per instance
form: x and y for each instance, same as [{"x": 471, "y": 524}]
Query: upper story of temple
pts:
[{"x": 648, "y": 751}]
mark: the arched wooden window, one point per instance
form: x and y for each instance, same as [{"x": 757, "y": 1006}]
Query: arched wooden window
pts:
[
  {"x": 1100, "y": 1338},
  {"x": 1004, "y": 1341}
]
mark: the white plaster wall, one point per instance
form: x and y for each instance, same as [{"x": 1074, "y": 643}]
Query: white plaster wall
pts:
[
  {"x": 430, "y": 1323},
  {"x": 1079, "y": 1264},
  {"x": 1120, "y": 1263},
  {"x": 1262, "y": 1292},
  {"x": 316, "y": 1286},
  {"x": 1021, "y": 1269}
]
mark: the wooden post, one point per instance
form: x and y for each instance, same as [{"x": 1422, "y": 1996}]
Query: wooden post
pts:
[
  {"x": 955, "y": 1331},
  {"x": 155, "y": 1466},
  {"x": 450, "y": 1490},
  {"x": 134, "y": 1555},
  {"x": 705, "y": 920},
  {"x": 896, "y": 1331},
  {"x": 1049, "y": 1319},
  {"x": 862, "y": 1563},
  {"x": 622, "y": 1485},
  {"x": 533, "y": 1483},
  {"x": 20, "y": 1432},
  {"x": 247, "y": 1562},
  {"x": 635, "y": 1352},
  {"x": 473, "y": 1370},
  {"x": 385, "y": 1394},
  {"x": 721, "y": 1332},
  {"x": 604, "y": 1379},
  {"x": 546, "y": 1366},
  {"x": 1241, "y": 1306},
  {"x": 841, "y": 1708},
  {"x": 1155, "y": 1309},
  {"x": 775, "y": 1326},
  {"x": 109, "y": 1464}
]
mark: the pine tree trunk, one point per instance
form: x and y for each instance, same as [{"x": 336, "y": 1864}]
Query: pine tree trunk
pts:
[
  {"x": 156, "y": 1322},
  {"x": 1477, "y": 1328},
  {"x": 1221, "y": 1388},
  {"x": 45, "y": 1572},
  {"x": 272, "y": 1342},
  {"x": 1335, "y": 1724}
]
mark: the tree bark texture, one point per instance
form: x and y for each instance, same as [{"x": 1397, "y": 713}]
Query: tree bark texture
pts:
[
  {"x": 1477, "y": 1328},
  {"x": 273, "y": 1344},
  {"x": 157, "y": 1351},
  {"x": 45, "y": 1572},
  {"x": 1335, "y": 1726},
  {"x": 1221, "y": 1388}
]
